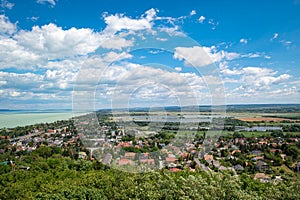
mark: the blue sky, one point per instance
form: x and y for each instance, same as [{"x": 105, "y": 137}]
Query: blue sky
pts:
[{"x": 98, "y": 54}]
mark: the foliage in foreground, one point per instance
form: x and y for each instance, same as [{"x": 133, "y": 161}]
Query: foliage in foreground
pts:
[{"x": 62, "y": 178}]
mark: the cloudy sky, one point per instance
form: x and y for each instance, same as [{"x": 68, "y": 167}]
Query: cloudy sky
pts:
[{"x": 99, "y": 54}]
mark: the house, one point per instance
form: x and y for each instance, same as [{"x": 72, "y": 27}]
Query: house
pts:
[
  {"x": 172, "y": 165},
  {"x": 257, "y": 158},
  {"x": 144, "y": 156},
  {"x": 124, "y": 144},
  {"x": 170, "y": 155},
  {"x": 174, "y": 169},
  {"x": 119, "y": 137},
  {"x": 274, "y": 145},
  {"x": 192, "y": 170},
  {"x": 262, "y": 177},
  {"x": 256, "y": 152},
  {"x": 171, "y": 159},
  {"x": 235, "y": 151},
  {"x": 147, "y": 161},
  {"x": 51, "y": 131},
  {"x": 231, "y": 157},
  {"x": 283, "y": 156},
  {"x": 275, "y": 150},
  {"x": 193, "y": 152},
  {"x": 216, "y": 163},
  {"x": 129, "y": 155},
  {"x": 261, "y": 166},
  {"x": 238, "y": 167},
  {"x": 208, "y": 157},
  {"x": 184, "y": 156},
  {"x": 222, "y": 168},
  {"x": 278, "y": 178},
  {"x": 82, "y": 155},
  {"x": 125, "y": 161},
  {"x": 234, "y": 147}
]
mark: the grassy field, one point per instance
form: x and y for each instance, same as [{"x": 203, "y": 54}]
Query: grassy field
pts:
[
  {"x": 250, "y": 134},
  {"x": 284, "y": 168},
  {"x": 285, "y": 115}
]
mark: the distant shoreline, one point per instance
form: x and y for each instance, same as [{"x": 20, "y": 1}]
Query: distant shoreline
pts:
[
  {"x": 35, "y": 111},
  {"x": 13, "y": 118}
]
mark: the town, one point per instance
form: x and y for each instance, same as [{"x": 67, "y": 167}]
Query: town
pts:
[{"x": 268, "y": 154}]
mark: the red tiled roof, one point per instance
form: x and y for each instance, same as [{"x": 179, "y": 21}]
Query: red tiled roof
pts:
[
  {"x": 125, "y": 161},
  {"x": 261, "y": 176},
  {"x": 274, "y": 150},
  {"x": 208, "y": 157},
  {"x": 259, "y": 157},
  {"x": 124, "y": 144},
  {"x": 174, "y": 169},
  {"x": 184, "y": 155},
  {"x": 171, "y": 159}
]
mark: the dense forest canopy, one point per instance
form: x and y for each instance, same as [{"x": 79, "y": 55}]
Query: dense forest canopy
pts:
[{"x": 65, "y": 178}]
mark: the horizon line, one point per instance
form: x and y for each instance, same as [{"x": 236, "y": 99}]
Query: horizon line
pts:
[{"x": 207, "y": 105}]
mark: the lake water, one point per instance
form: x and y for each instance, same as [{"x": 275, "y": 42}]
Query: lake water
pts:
[
  {"x": 158, "y": 118},
  {"x": 10, "y": 119},
  {"x": 263, "y": 128}
]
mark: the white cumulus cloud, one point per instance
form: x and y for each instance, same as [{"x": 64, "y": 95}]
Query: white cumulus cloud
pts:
[
  {"x": 116, "y": 43},
  {"x": 193, "y": 12},
  {"x": 6, "y": 27},
  {"x": 53, "y": 42},
  {"x": 202, "y": 56},
  {"x": 243, "y": 41},
  {"x": 14, "y": 55},
  {"x": 6, "y": 4},
  {"x": 51, "y": 2},
  {"x": 116, "y": 23},
  {"x": 201, "y": 19}
]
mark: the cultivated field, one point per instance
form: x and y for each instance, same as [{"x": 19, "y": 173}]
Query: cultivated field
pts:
[{"x": 263, "y": 119}]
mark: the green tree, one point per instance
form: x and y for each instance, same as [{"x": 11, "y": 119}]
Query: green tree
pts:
[{"x": 44, "y": 151}]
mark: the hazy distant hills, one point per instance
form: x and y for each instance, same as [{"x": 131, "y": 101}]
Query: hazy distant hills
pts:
[{"x": 268, "y": 108}]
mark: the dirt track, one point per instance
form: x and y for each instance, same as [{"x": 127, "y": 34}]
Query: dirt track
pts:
[{"x": 263, "y": 119}]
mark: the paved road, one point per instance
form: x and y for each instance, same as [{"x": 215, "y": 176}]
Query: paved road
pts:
[
  {"x": 203, "y": 167},
  {"x": 28, "y": 136}
]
